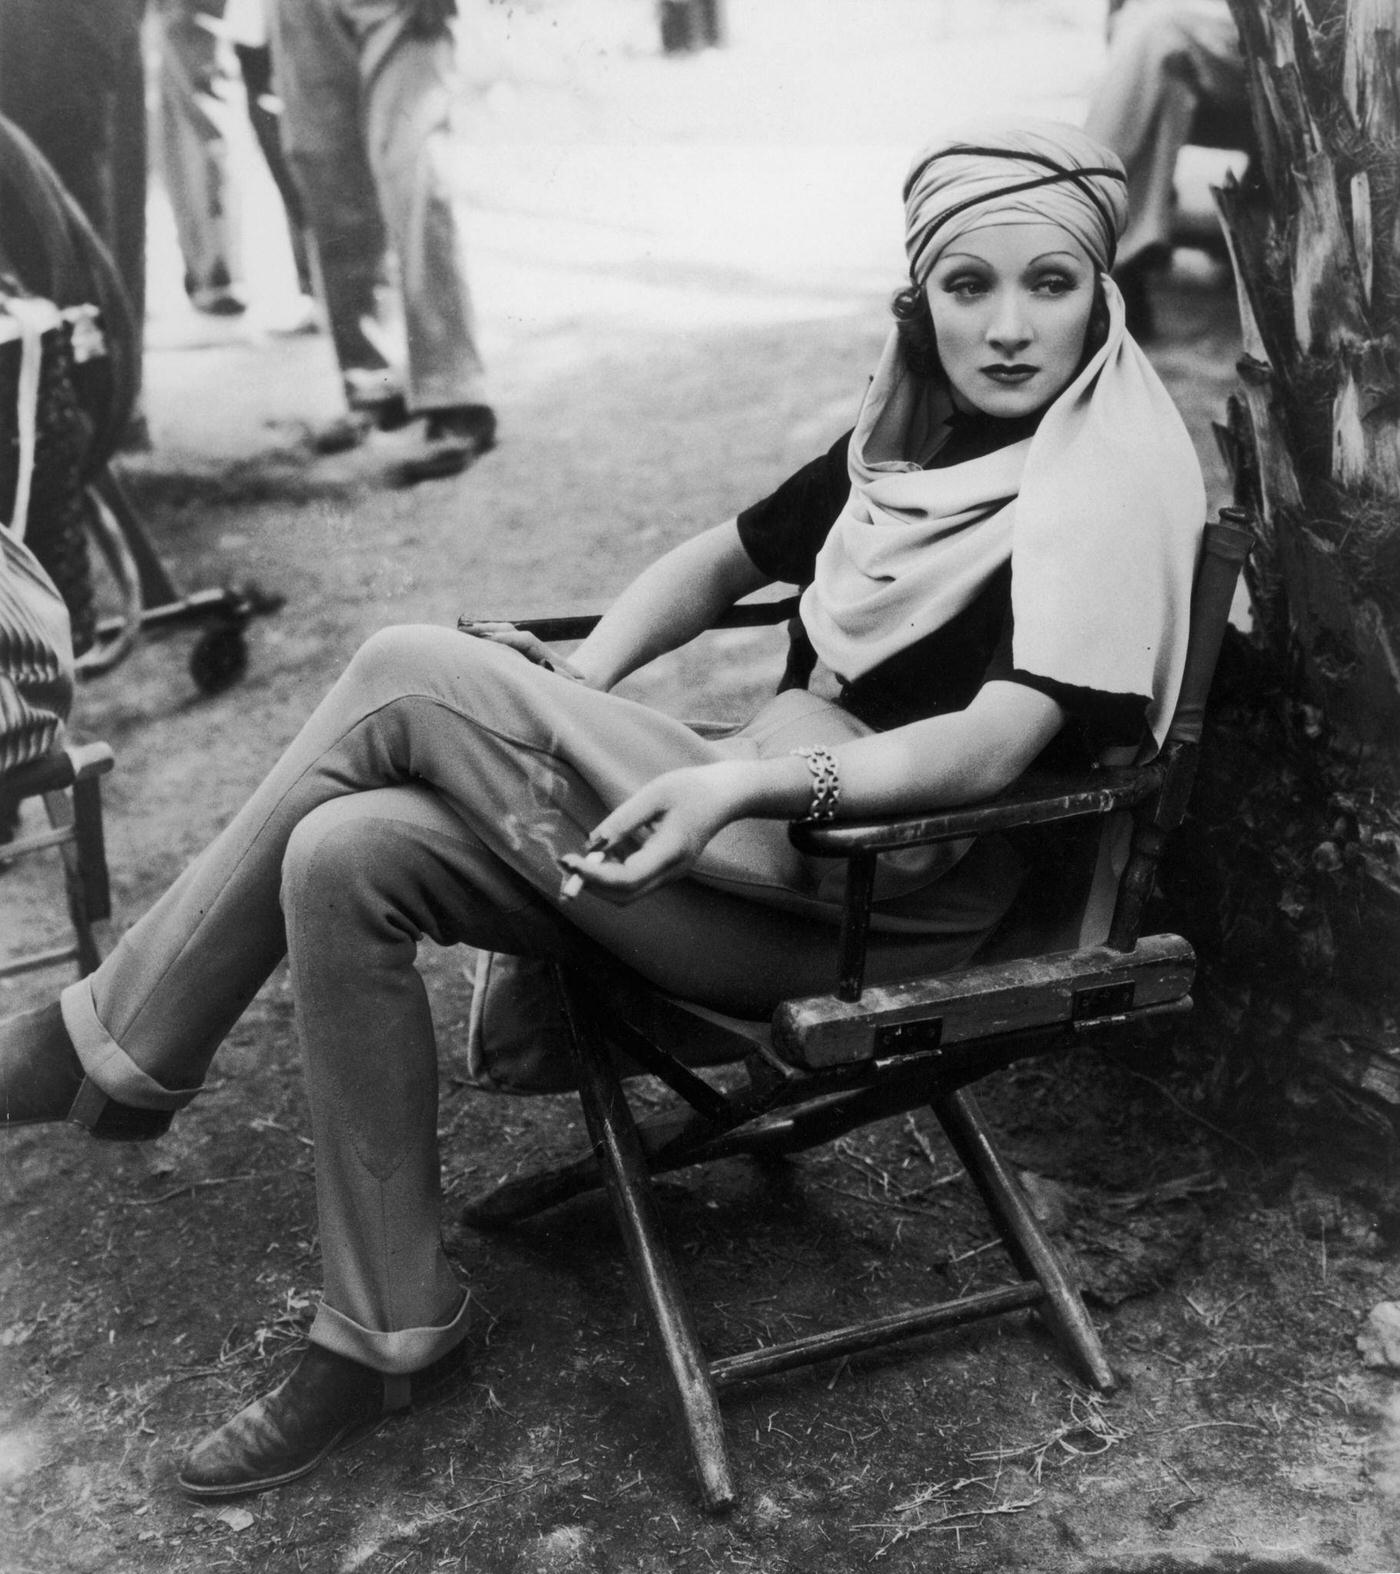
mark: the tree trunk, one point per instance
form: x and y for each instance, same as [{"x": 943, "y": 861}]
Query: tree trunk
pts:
[
  {"x": 1315, "y": 242},
  {"x": 1307, "y": 778}
]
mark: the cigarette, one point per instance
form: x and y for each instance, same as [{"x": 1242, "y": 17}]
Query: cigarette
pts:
[{"x": 573, "y": 884}]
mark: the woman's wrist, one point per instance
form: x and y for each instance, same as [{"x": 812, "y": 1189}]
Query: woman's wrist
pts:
[
  {"x": 773, "y": 789},
  {"x": 568, "y": 668},
  {"x": 594, "y": 667}
]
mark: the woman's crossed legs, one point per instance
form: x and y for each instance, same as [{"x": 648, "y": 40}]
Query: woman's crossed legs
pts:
[{"x": 429, "y": 795}]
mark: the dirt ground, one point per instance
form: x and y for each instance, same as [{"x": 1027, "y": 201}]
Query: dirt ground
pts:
[{"x": 682, "y": 268}]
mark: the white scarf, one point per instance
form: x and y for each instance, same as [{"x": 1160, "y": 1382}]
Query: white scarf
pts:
[{"x": 1100, "y": 513}]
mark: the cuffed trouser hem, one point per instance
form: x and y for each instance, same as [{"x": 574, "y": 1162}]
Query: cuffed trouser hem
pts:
[
  {"x": 367, "y": 387},
  {"x": 106, "y": 1063},
  {"x": 399, "y": 1352},
  {"x": 428, "y": 396}
]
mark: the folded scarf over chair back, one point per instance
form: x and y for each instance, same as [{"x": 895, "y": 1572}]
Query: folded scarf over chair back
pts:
[{"x": 1100, "y": 510}]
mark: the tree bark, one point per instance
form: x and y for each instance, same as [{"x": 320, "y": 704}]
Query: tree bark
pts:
[
  {"x": 1298, "y": 821},
  {"x": 1314, "y": 237}
]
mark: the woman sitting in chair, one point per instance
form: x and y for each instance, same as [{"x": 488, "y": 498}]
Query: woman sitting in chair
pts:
[{"x": 997, "y": 563}]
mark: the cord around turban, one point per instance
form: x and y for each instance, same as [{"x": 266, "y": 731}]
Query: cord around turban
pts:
[{"x": 1013, "y": 172}]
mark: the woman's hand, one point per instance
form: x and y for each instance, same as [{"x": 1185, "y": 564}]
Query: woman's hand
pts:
[
  {"x": 657, "y": 835},
  {"x": 532, "y": 649}
]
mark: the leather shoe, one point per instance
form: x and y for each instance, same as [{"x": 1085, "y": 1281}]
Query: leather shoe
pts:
[
  {"x": 218, "y": 300},
  {"x": 42, "y": 1080},
  {"x": 344, "y": 432},
  {"x": 329, "y": 1402},
  {"x": 453, "y": 439}
]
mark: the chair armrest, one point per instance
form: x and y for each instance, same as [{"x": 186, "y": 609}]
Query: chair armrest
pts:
[
  {"x": 975, "y": 1003},
  {"x": 743, "y": 615},
  {"x": 1038, "y": 799},
  {"x": 58, "y": 770}
]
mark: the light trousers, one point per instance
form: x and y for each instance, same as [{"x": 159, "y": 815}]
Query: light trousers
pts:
[
  {"x": 367, "y": 130},
  {"x": 193, "y": 143},
  {"x": 1163, "y": 58},
  {"x": 430, "y": 795}
]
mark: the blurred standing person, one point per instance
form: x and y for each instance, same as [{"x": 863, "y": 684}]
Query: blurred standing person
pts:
[
  {"x": 367, "y": 89},
  {"x": 193, "y": 70},
  {"x": 246, "y": 24},
  {"x": 1164, "y": 58}
]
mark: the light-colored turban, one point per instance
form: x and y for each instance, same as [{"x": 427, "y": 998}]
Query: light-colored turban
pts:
[{"x": 1013, "y": 172}]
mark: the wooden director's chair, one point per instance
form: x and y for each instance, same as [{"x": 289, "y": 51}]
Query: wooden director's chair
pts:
[
  {"x": 830, "y": 1063},
  {"x": 69, "y": 781}
]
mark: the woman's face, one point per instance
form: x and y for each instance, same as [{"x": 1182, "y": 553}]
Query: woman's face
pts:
[{"x": 1010, "y": 307}]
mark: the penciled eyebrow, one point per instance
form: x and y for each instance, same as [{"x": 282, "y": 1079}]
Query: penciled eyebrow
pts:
[{"x": 971, "y": 256}]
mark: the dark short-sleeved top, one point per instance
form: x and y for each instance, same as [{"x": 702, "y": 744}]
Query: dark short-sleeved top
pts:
[{"x": 941, "y": 671}]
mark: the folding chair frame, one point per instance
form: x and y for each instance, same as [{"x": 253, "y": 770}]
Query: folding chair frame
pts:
[
  {"x": 69, "y": 780},
  {"x": 842, "y": 1060}
]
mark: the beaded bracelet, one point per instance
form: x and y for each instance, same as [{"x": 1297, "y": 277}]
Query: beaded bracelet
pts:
[{"x": 826, "y": 782}]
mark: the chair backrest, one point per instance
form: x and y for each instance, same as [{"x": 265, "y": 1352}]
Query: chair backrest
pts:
[
  {"x": 1224, "y": 547},
  {"x": 1079, "y": 900}
]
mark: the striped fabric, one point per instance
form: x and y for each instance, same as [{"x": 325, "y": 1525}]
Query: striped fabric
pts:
[
  {"x": 36, "y": 659},
  {"x": 36, "y": 647}
]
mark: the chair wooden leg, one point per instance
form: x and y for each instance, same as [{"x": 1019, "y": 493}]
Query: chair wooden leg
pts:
[
  {"x": 77, "y": 875},
  {"x": 619, "y": 1155},
  {"x": 1034, "y": 1256},
  {"x": 668, "y": 1141},
  {"x": 671, "y": 1142},
  {"x": 91, "y": 844},
  {"x": 674, "y": 1140},
  {"x": 526, "y": 1195},
  {"x": 788, "y": 1131}
]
